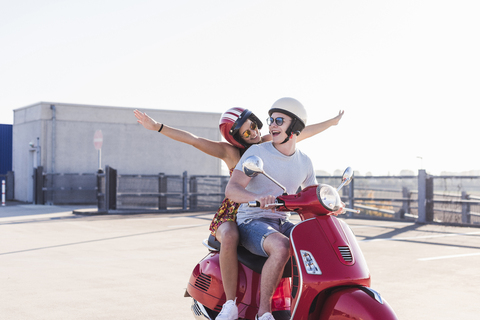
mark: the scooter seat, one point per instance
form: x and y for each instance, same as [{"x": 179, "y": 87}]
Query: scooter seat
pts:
[{"x": 250, "y": 260}]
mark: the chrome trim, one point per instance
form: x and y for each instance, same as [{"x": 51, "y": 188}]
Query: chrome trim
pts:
[
  {"x": 300, "y": 272},
  {"x": 205, "y": 243},
  {"x": 199, "y": 311},
  {"x": 372, "y": 293},
  {"x": 346, "y": 253}
]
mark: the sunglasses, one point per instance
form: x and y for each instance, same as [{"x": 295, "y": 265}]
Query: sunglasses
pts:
[
  {"x": 279, "y": 121},
  {"x": 247, "y": 133}
]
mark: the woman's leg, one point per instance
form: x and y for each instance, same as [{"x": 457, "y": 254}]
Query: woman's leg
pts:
[{"x": 227, "y": 234}]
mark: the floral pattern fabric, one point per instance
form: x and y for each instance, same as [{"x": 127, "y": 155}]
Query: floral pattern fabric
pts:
[{"x": 226, "y": 212}]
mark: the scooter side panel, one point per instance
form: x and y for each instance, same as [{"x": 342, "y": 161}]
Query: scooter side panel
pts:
[
  {"x": 321, "y": 237},
  {"x": 354, "y": 303},
  {"x": 355, "y": 247},
  {"x": 205, "y": 286}
]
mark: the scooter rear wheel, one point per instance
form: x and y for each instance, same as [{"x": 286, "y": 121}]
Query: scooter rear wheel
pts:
[
  {"x": 200, "y": 312},
  {"x": 282, "y": 315}
]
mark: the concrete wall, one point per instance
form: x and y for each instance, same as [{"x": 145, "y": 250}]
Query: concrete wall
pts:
[{"x": 127, "y": 146}]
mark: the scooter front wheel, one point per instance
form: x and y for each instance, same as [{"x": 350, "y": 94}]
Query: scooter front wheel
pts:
[{"x": 362, "y": 302}]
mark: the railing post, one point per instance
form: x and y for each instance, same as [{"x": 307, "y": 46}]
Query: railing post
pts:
[
  {"x": 193, "y": 193},
  {"x": 400, "y": 214},
  {"x": 351, "y": 197},
  {"x": 101, "y": 191},
  {"x": 425, "y": 197},
  {"x": 429, "y": 203},
  {"x": 422, "y": 195},
  {"x": 162, "y": 189},
  {"x": 185, "y": 190},
  {"x": 465, "y": 208},
  {"x": 39, "y": 194},
  {"x": 110, "y": 188}
]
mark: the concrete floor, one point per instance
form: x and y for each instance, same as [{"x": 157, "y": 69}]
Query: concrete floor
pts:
[{"x": 58, "y": 265}]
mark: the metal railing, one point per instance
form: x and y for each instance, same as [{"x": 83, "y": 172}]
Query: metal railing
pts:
[
  {"x": 413, "y": 198},
  {"x": 423, "y": 198},
  {"x": 69, "y": 188},
  {"x": 160, "y": 192}
]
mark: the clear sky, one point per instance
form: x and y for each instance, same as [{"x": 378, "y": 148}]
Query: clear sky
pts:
[{"x": 407, "y": 73}]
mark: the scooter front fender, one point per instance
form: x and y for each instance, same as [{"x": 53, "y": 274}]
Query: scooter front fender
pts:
[{"x": 356, "y": 303}]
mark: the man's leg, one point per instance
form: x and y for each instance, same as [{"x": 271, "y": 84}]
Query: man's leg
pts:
[{"x": 277, "y": 246}]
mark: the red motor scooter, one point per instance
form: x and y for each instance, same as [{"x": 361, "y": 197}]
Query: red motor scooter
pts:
[{"x": 327, "y": 276}]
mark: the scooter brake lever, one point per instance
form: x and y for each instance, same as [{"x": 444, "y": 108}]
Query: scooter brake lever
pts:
[
  {"x": 276, "y": 204},
  {"x": 257, "y": 204}
]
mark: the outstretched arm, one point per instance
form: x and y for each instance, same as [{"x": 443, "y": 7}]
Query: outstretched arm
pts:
[
  {"x": 312, "y": 129},
  {"x": 222, "y": 150},
  {"x": 316, "y": 128}
]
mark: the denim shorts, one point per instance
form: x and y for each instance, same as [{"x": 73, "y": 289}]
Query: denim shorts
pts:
[{"x": 254, "y": 231}]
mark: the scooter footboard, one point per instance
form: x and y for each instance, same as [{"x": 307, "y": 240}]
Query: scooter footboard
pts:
[{"x": 356, "y": 303}]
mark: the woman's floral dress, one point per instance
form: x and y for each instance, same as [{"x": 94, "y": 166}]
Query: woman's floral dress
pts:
[{"x": 226, "y": 212}]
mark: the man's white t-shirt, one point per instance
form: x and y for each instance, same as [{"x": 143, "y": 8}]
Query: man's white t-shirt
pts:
[{"x": 292, "y": 172}]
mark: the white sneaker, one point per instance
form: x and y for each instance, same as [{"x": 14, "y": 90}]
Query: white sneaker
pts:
[
  {"x": 266, "y": 316},
  {"x": 229, "y": 311}
]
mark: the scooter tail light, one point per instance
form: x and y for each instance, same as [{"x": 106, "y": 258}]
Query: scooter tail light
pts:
[{"x": 281, "y": 298}]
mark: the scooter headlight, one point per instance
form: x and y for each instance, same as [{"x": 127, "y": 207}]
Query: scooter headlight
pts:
[{"x": 328, "y": 197}]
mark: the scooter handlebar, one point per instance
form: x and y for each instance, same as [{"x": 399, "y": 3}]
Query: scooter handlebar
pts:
[
  {"x": 257, "y": 204},
  {"x": 351, "y": 210},
  {"x": 254, "y": 203}
]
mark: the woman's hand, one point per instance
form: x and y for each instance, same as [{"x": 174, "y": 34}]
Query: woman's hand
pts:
[
  {"x": 339, "y": 211},
  {"x": 337, "y": 119},
  {"x": 146, "y": 121}
]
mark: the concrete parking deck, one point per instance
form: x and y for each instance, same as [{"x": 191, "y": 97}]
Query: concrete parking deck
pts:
[{"x": 57, "y": 265}]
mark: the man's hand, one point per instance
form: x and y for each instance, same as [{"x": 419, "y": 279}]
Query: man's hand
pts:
[{"x": 267, "y": 200}]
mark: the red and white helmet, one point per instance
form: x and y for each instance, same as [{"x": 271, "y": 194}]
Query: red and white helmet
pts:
[{"x": 230, "y": 123}]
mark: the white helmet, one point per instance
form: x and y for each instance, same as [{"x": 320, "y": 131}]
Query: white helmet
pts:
[{"x": 295, "y": 110}]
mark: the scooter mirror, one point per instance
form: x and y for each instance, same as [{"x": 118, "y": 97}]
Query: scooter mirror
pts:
[
  {"x": 252, "y": 166},
  {"x": 346, "y": 178}
]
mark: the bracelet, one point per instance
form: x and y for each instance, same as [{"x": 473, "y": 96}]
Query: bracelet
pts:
[{"x": 160, "y": 128}]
